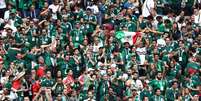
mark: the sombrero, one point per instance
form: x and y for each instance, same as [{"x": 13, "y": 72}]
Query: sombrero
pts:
[
  {"x": 7, "y": 26},
  {"x": 19, "y": 75}
]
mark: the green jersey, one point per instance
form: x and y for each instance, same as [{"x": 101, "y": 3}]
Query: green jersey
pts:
[{"x": 78, "y": 36}]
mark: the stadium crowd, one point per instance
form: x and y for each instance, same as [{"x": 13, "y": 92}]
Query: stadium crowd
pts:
[{"x": 79, "y": 50}]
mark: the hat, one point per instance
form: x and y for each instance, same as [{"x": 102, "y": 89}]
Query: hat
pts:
[
  {"x": 23, "y": 26},
  {"x": 19, "y": 75},
  {"x": 167, "y": 21},
  {"x": 27, "y": 44},
  {"x": 64, "y": 16},
  {"x": 7, "y": 26},
  {"x": 103, "y": 72},
  {"x": 77, "y": 22},
  {"x": 159, "y": 17},
  {"x": 134, "y": 89},
  {"x": 113, "y": 66},
  {"x": 165, "y": 17},
  {"x": 112, "y": 6},
  {"x": 13, "y": 11},
  {"x": 89, "y": 9},
  {"x": 35, "y": 20},
  {"x": 126, "y": 43},
  {"x": 90, "y": 69},
  {"x": 133, "y": 55}
]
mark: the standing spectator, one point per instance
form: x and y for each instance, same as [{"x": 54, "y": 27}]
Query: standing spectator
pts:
[
  {"x": 197, "y": 16},
  {"x": 103, "y": 88},
  {"x": 148, "y": 8},
  {"x": 172, "y": 93},
  {"x": 33, "y": 12},
  {"x": 2, "y": 8},
  {"x": 157, "y": 96},
  {"x": 55, "y": 8},
  {"x": 159, "y": 84},
  {"x": 77, "y": 50},
  {"x": 198, "y": 4}
]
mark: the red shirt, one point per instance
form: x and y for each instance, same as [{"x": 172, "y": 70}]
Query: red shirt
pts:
[
  {"x": 40, "y": 71},
  {"x": 16, "y": 84},
  {"x": 68, "y": 80},
  {"x": 35, "y": 87}
]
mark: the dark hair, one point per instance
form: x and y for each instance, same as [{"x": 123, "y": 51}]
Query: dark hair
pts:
[
  {"x": 156, "y": 90},
  {"x": 100, "y": 47},
  {"x": 181, "y": 41},
  {"x": 181, "y": 20},
  {"x": 167, "y": 21},
  {"x": 102, "y": 60},
  {"x": 173, "y": 82},
  {"x": 156, "y": 54},
  {"x": 150, "y": 17},
  {"x": 175, "y": 58},
  {"x": 115, "y": 50},
  {"x": 159, "y": 72},
  {"x": 75, "y": 49}
]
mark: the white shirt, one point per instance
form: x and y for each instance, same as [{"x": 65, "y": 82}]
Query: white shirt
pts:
[
  {"x": 146, "y": 8},
  {"x": 94, "y": 9},
  {"x": 198, "y": 1},
  {"x": 197, "y": 18},
  {"x": 89, "y": 100},
  {"x": 96, "y": 47},
  {"x": 3, "y": 34},
  {"x": 161, "y": 42},
  {"x": 54, "y": 9},
  {"x": 155, "y": 23},
  {"x": 177, "y": 18},
  {"x": 12, "y": 96},
  {"x": 142, "y": 53},
  {"x": 11, "y": 25},
  {"x": 137, "y": 84},
  {"x": 2, "y": 4},
  {"x": 4, "y": 80},
  {"x": 135, "y": 6},
  {"x": 6, "y": 14}
]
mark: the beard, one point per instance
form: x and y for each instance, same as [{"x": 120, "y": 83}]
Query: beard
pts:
[
  {"x": 172, "y": 65},
  {"x": 159, "y": 78}
]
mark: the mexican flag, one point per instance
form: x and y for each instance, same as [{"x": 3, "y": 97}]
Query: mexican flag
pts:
[
  {"x": 131, "y": 37},
  {"x": 33, "y": 64},
  {"x": 81, "y": 79}
]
